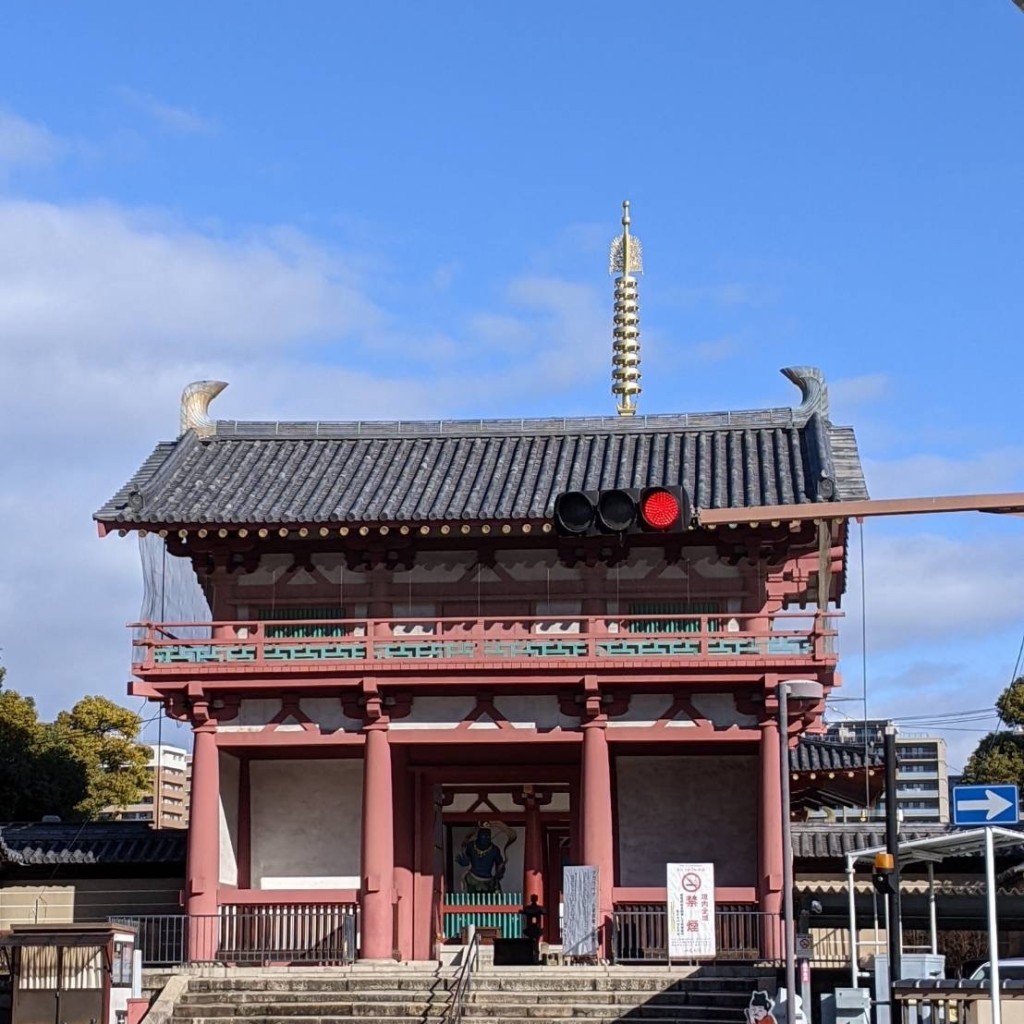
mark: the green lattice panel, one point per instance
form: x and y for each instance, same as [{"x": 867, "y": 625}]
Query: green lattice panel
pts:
[
  {"x": 534, "y": 649},
  {"x": 315, "y": 652},
  {"x": 647, "y": 648}
]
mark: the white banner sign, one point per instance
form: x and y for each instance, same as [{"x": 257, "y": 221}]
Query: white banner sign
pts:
[
  {"x": 691, "y": 911},
  {"x": 579, "y": 914}
]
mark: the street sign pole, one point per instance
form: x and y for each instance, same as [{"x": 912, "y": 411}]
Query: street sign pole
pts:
[{"x": 993, "y": 928}]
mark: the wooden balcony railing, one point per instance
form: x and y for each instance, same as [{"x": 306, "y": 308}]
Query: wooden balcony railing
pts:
[{"x": 788, "y": 637}]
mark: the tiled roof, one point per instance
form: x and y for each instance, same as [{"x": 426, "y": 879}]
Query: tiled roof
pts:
[
  {"x": 481, "y": 470},
  {"x": 100, "y": 843},
  {"x": 815, "y": 755},
  {"x": 835, "y": 840}
]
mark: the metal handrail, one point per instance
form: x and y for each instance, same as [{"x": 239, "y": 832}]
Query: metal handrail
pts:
[{"x": 464, "y": 980}]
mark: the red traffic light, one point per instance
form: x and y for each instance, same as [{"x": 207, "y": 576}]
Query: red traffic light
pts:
[
  {"x": 622, "y": 510},
  {"x": 660, "y": 509}
]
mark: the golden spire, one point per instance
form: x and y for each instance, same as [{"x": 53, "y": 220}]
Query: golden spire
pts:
[{"x": 626, "y": 258}]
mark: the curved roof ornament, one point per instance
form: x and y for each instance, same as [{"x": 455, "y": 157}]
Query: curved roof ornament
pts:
[
  {"x": 813, "y": 391},
  {"x": 195, "y": 406}
]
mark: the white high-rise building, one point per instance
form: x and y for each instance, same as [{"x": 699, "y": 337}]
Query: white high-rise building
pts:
[{"x": 167, "y": 803}]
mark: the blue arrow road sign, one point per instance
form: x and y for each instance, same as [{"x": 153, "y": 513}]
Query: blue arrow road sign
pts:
[{"x": 986, "y": 805}]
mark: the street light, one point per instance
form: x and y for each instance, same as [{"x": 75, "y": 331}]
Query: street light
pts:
[{"x": 798, "y": 690}]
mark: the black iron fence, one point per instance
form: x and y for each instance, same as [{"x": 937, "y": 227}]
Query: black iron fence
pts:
[{"x": 252, "y": 934}]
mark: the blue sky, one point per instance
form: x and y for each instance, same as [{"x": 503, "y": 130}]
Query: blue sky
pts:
[{"x": 403, "y": 209}]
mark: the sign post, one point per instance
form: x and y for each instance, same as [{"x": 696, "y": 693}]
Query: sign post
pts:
[
  {"x": 691, "y": 911},
  {"x": 986, "y": 805}
]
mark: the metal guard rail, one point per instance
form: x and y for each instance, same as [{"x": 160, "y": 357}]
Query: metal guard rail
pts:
[{"x": 464, "y": 981}]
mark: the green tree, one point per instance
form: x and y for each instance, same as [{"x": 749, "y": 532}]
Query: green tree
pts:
[
  {"x": 999, "y": 757},
  {"x": 102, "y": 737},
  {"x": 73, "y": 767}
]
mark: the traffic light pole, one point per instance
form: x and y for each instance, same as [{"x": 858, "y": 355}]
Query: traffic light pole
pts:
[{"x": 892, "y": 842}]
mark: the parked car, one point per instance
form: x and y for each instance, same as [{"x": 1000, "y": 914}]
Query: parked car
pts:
[{"x": 1009, "y": 970}]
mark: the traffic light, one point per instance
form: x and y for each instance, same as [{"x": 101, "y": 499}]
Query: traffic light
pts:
[
  {"x": 884, "y": 874},
  {"x": 622, "y": 510}
]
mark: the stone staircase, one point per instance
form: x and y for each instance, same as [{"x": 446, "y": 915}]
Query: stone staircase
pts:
[{"x": 510, "y": 995}]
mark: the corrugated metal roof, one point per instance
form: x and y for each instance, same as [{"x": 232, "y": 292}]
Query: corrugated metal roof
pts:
[
  {"x": 100, "y": 843},
  {"x": 315, "y": 473}
]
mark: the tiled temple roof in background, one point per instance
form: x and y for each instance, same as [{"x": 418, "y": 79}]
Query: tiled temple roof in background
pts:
[
  {"x": 812, "y": 754},
  {"x": 98, "y": 843}
]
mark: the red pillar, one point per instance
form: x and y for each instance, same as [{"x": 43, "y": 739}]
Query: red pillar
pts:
[
  {"x": 404, "y": 851},
  {"x": 203, "y": 871},
  {"x": 533, "y": 854},
  {"x": 771, "y": 854},
  {"x": 597, "y": 819},
  {"x": 378, "y": 848}
]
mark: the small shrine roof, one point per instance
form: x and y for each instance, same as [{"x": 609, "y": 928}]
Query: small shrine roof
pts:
[
  {"x": 814, "y": 754},
  {"x": 397, "y": 472}
]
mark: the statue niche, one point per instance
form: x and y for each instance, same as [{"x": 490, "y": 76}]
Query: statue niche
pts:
[{"x": 485, "y": 859}]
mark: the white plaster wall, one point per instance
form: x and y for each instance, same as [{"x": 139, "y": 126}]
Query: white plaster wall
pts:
[
  {"x": 534, "y": 711},
  {"x": 436, "y": 713},
  {"x": 306, "y": 823},
  {"x": 679, "y": 808},
  {"x": 645, "y": 709},
  {"x": 229, "y": 775}
]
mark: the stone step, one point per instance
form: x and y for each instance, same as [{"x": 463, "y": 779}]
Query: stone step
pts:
[
  {"x": 237, "y": 996},
  {"x": 321, "y": 982},
  {"x": 513, "y": 980},
  {"x": 689, "y": 1014},
  {"x": 705, "y": 988},
  {"x": 521, "y": 1005}
]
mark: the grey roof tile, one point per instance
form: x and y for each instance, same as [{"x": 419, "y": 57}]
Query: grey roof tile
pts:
[
  {"x": 812, "y": 754},
  {"x": 820, "y": 842},
  {"x": 316, "y": 473},
  {"x": 99, "y": 843}
]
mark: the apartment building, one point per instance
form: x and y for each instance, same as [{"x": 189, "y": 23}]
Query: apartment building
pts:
[
  {"x": 167, "y": 803},
  {"x": 922, "y": 775}
]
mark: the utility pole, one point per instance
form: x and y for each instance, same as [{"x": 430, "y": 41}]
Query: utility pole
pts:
[{"x": 892, "y": 842}]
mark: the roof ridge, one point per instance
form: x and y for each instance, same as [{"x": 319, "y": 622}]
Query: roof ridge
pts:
[{"x": 780, "y": 416}]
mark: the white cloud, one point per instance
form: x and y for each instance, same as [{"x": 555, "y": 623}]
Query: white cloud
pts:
[
  {"x": 177, "y": 120},
  {"x": 106, "y": 313},
  {"x": 934, "y": 591},
  {"x": 847, "y": 392},
  {"x": 930, "y": 473},
  {"x": 22, "y": 142}
]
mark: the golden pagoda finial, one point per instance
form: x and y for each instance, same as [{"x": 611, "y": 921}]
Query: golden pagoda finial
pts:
[{"x": 626, "y": 258}]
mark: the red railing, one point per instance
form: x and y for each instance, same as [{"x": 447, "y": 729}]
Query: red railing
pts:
[{"x": 784, "y": 637}]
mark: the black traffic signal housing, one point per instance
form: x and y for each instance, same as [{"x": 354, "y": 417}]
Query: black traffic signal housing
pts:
[{"x": 620, "y": 510}]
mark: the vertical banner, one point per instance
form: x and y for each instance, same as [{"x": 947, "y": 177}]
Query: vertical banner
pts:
[
  {"x": 579, "y": 912},
  {"x": 691, "y": 911}
]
